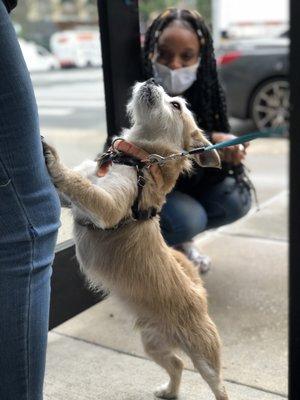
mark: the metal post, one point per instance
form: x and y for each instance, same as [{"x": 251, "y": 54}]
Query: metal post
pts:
[
  {"x": 294, "y": 277},
  {"x": 121, "y": 53}
]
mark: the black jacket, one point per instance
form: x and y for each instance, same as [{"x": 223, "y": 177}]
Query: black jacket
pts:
[{"x": 10, "y": 4}]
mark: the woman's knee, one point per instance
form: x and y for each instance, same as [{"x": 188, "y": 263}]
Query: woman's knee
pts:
[
  {"x": 237, "y": 206},
  {"x": 182, "y": 218},
  {"x": 227, "y": 203}
]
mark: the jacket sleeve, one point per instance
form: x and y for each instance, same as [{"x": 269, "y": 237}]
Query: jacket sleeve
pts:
[{"x": 10, "y": 4}]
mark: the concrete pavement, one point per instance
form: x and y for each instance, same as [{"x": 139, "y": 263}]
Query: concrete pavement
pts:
[{"x": 98, "y": 355}]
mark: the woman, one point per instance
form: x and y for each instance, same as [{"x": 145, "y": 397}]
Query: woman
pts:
[
  {"x": 179, "y": 54},
  {"x": 29, "y": 220}
]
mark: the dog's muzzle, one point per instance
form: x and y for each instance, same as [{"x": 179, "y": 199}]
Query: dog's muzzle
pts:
[{"x": 149, "y": 92}]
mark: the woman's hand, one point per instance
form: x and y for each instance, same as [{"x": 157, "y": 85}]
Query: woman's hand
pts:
[{"x": 232, "y": 154}]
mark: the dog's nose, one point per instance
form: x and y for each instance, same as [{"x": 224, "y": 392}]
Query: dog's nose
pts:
[{"x": 151, "y": 81}]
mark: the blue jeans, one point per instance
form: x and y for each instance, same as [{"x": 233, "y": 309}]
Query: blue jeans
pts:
[
  {"x": 184, "y": 216},
  {"x": 29, "y": 220}
]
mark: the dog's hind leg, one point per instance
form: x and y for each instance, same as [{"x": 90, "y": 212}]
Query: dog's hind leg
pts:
[
  {"x": 162, "y": 353},
  {"x": 211, "y": 376},
  {"x": 204, "y": 351}
]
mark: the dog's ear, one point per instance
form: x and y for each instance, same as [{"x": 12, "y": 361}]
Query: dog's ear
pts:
[{"x": 206, "y": 159}]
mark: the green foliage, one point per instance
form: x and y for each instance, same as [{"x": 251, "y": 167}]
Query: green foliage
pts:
[
  {"x": 204, "y": 8},
  {"x": 149, "y": 9}
]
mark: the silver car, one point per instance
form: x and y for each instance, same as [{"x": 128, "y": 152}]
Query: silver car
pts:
[{"x": 254, "y": 74}]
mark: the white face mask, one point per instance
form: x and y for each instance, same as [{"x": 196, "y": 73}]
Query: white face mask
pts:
[{"x": 175, "y": 81}]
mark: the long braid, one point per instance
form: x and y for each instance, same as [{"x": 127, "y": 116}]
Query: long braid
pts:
[{"x": 206, "y": 96}]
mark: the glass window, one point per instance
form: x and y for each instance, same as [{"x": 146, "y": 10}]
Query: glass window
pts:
[{"x": 61, "y": 45}]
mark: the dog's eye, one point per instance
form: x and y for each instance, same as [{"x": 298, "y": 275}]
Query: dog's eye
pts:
[{"x": 176, "y": 105}]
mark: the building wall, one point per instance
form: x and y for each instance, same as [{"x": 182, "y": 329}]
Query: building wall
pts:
[
  {"x": 62, "y": 11},
  {"x": 255, "y": 16}
]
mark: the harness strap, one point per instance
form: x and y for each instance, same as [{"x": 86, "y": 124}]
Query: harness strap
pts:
[
  {"x": 121, "y": 158},
  {"x": 130, "y": 149},
  {"x": 125, "y": 153},
  {"x": 137, "y": 214},
  {"x": 141, "y": 215},
  {"x": 91, "y": 225}
]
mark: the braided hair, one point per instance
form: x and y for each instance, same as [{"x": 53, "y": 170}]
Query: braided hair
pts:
[{"x": 206, "y": 97}]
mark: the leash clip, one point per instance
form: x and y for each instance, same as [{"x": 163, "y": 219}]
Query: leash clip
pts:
[{"x": 156, "y": 159}]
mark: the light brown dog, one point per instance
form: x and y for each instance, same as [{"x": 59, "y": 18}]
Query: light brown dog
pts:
[{"x": 159, "y": 285}]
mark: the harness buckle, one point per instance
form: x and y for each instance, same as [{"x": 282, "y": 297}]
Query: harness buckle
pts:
[{"x": 141, "y": 181}]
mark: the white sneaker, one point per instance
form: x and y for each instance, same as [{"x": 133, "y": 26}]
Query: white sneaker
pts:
[{"x": 201, "y": 261}]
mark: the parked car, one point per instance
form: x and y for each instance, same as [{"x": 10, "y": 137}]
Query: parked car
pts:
[
  {"x": 254, "y": 74},
  {"x": 37, "y": 57},
  {"x": 77, "y": 48}
]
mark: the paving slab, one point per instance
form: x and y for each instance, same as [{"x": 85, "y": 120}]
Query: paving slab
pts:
[
  {"x": 248, "y": 300},
  {"x": 77, "y": 145},
  {"x": 267, "y": 160},
  {"x": 270, "y": 222},
  {"x": 77, "y": 370}
]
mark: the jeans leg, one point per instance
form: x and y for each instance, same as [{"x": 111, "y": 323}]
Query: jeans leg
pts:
[
  {"x": 29, "y": 219},
  {"x": 226, "y": 202},
  {"x": 182, "y": 218}
]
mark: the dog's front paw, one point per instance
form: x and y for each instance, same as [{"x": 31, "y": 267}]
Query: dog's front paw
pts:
[
  {"x": 54, "y": 166},
  {"x": 164, "y": 392},
  {"x": 49, "y": 151}
]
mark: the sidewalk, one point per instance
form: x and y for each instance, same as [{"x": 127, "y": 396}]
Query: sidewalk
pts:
[{"x": 97, "y": 354}]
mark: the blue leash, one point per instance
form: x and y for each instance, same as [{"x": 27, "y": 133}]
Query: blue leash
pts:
[
  {"x": 245, "y": 138},
  {"x": 238, "y": 140},
  {"x": 157, "y": 159}
]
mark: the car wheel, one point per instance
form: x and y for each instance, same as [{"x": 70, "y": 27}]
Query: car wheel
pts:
[{"x": 269, "y": 107}]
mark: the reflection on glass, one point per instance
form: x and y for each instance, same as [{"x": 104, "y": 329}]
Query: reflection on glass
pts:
[{"x": 61, "y": 45}]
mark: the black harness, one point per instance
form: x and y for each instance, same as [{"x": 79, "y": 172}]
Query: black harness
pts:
[
  {"x": 118, "y": 157},
  {"x": 131, "y": 161}
]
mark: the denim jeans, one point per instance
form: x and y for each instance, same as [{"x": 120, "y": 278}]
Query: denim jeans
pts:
[
  {"x": 184, "y": 216},
  {"x": 29, "y": 220}
]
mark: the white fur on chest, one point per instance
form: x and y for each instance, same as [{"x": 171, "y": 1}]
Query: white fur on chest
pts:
[{"x": 120, "y": 181}]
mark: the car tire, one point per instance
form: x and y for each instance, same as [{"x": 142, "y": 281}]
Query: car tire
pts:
[{"x": 269, "y": 105}]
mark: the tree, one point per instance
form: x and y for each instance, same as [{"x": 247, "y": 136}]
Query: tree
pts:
[
  {"x": 204, "y": 7},
  {"x": 149, "y": 9}
]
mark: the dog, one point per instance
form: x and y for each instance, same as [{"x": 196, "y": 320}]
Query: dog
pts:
[{"x": 123, "y": 249}]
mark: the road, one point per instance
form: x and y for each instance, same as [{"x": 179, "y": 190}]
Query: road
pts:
[{"x": 70, "y": 99}]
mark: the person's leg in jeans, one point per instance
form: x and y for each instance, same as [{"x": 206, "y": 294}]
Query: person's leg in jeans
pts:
[
  {"x": 29, "y": 219},
  {"x": 225, "y": 202},
  {"x": 184, "y": 217}
]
